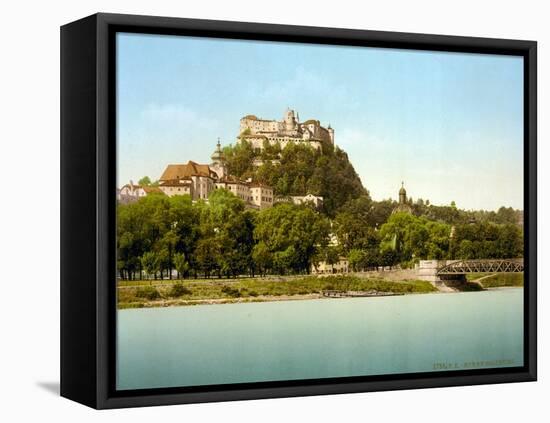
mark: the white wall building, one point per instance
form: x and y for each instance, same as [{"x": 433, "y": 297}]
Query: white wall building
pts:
[
  {"x": 316, "y": 200},
  {"x": 132, "y": 192},
  {"x": 323, "y": 268},
  {"x": 256, "y": 131},
  {"x": 199, "y": 180}
]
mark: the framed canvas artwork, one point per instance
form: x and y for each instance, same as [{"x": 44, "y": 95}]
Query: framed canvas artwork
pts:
[{"x": 255, "y": 211}]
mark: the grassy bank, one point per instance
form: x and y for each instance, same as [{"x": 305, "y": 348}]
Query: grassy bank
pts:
[
  {"x": 190, "y": 292},
  {"x": 496, "y": 280}
]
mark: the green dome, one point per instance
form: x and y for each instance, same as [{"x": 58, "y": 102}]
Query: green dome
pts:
[
  {"x": 402, "y": 191},
  {"x": 217, "y": 155}
]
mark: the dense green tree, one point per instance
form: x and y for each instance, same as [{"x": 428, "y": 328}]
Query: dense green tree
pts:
[
  {"x": 181, "y": 264},
  {"x": 145, "y": 181},
  {"x": 207, "y": 256},
  {"x": 356, "y": 259},
  {"x": 262, "y": 258},
  {"x": 299, "y": 169},
  {"x": 355, "y": 224},
  {"x": 287, "y": 225},
  {"x": 150, "y": 263},
  {"x": 486, "y": 240},
  {"x": 381, "y": 211},
  {"x": 240, "y": 158}
]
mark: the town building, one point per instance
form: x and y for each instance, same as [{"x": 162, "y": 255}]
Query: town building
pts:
[
  {"x": 198, "y": 177},
  {"x": 315, "y": 200},
  {"x": 261, "y": 195},
  {"x": 131, "y": 192},
  {"x": 323, "y": 268},
  {"x": 237, "y": 187},
  {"x": 403, "y": 206},
  {"x": 199, "y": 180},
  {"x": 256, "y": 131}
]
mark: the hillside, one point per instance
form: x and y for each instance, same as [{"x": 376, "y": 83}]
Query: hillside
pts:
[{"x": 299, "y": 170}]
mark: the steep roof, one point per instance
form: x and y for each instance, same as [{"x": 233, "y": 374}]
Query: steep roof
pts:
[
  {"x": 181, "y": 171},
  {"x": 152, "y": 190}
]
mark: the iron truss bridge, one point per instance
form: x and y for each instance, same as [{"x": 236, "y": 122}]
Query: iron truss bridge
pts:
[{"x": 482, "y": 266}]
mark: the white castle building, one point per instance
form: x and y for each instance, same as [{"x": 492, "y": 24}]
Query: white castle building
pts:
[{"x": 256, "y": 131}]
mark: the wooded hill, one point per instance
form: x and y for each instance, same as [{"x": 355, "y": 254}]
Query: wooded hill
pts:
[{"x": 299, "y": 169}]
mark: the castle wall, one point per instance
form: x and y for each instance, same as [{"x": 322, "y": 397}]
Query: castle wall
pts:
[{"x": 284, "y": 131}]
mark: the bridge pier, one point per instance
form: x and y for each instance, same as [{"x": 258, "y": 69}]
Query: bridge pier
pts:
[{"x": 427, "y": 271}]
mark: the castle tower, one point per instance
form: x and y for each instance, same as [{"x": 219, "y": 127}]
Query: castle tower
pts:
[
  {"x": 402, "y": 195},
  {"x": 218, "y": 161},
  {"x": 290, "y": 120},
  {"x": 331, "y": 133}
]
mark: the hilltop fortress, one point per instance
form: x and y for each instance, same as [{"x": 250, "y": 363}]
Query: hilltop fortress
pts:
[{"x": 256, "y": 131}]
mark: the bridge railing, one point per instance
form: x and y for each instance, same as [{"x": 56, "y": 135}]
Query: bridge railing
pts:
[{"x": 482, "y": 266}]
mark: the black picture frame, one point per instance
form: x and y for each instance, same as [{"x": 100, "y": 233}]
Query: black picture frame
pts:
[{"x": 88, "y": 209}]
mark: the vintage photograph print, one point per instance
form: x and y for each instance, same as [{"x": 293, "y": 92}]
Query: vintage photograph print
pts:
[{"x": 292, "y": 211}]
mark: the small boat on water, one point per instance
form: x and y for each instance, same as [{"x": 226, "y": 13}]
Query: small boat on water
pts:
[{"x": 345, "y": 294}]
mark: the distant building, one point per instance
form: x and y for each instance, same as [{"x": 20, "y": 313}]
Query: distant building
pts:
[
  {"x": 182, "y": 186},
  {"x": 241, "y": 189},
  {"x": 261, "y": 195},
  {"x": 316, "y": 200},
  {"x": 131, "y": 192},
  {"x": 256, "y": 131},
  {"x": 199, "y": 180},
  {"x": 403, "y": 206},
  {"x": 198, "y": 177},
  {"x": 323, "y": 268}
]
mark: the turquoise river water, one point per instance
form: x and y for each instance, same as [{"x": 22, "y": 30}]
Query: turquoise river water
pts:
[{"x": 251, "y": 342}]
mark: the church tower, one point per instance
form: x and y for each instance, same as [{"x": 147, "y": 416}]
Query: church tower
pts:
[
  {"x": 403, "y": 206},
  {"x": 218, "y": 161},
  {"x": 402, "y": 195}
]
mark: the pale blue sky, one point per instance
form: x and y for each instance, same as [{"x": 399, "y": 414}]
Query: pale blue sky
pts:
[{"x": 448, "y": 124}]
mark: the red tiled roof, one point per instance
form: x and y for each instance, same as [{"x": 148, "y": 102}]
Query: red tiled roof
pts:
[{"x": 181, "y": 171}]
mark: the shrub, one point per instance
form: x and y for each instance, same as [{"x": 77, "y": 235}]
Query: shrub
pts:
[
  {"x": 232, "y": 292},
  {"x": 148, "y": 292},
  {"x": 179, "y": 290}
]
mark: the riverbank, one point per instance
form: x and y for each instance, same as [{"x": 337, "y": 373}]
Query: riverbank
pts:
[
  {"x": 139, "y": 294},
  {"x": 187, "y": 292},
  {"x": 496, "y": 280}
]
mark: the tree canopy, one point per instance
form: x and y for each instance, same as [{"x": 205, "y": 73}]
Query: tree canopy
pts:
[
  {"x": 157, "y": 234},
  {"x": 299, "y": 169}
]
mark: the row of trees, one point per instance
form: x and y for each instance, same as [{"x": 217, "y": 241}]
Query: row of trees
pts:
[
  {"x": 404, "y": 238},
  {"x": 158, "y": 233}
]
